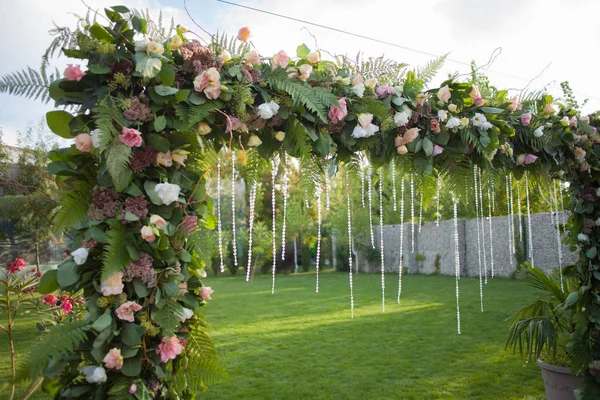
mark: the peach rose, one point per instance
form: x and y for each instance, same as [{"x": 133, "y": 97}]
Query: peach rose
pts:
[
  {"x": 252, "y": 57},
  {"x": 148, "y": 234},
  {"x": 280, "y": 59},
  {"x": 83, "y": 142},
  {"x": 158, "y": 221},
  {"x": 244, "y": 34},
  {"x": 402, "y": 150},
  {"x": 411, "y": 134},
  {"x": 164, "y": 159},
  {"x": 371, "y": 83},
  {"x": 444, "y": 94},
  {"x": 313, "y": 57}
]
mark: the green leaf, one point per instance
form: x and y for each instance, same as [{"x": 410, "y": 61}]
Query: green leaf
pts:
[
  {"x": 132, "y": 366},
  {"x": 99, "y": 69},
  {"x": 98, "y": 32},
  {"x": 68, "y": 273},
  {"x": 149, "y": 188},
  {"x": 182, "y": 95},
  {"x": 139, "y": 24},
  {"x": 117, "y": 163},
  {"x": 48, "y": 282},
  {"x": 147, "y": 67},
  {"x": 121, "y": 9},
  {"x": 168, "y": 318},
  {"x": 592, "y": 252},
  {"x": 131, "y": 217},
  {"x": 302, "y": 51},
  {"x": 140, "y": 288},
  {"x": 571, "y": 299},
  {"x": 158, "y": 142},
  {"x": 165, "y": 90},
  {"x": 103, "y": 321},
  {"x": 167, "y": 76},
  {"x": 185, "y": 256},
  {"x": 58, "y": 122},
  {"x": 427, "y": 146},
  {"x": 442, "y": 138},
  {"x": 131, "y": 334},
  {"x": 491, "y": 110}
]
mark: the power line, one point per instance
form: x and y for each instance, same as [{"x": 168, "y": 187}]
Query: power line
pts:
[{"x": 383, "y": 42}]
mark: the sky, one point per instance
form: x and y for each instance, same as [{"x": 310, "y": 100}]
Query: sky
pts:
[{"x": 558, "y": 39}]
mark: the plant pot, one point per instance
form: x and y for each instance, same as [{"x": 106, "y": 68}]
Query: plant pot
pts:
[{"x": 558, "y": 381}]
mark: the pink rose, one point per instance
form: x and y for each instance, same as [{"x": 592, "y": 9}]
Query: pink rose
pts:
[
  {"x": 474, "y": 92},
  {"x": 113, "y": 359},
  {"x": 113, "y": 284},
  {"x": 435, "y": 126},
  {"x": 244, "y": 34},
  {"x": 514, "y": 104},
  {"x": 132, "y": 388},
  {"x": 385, "y": 90},
  {"x": 280, "y": 59},
  {"x": 205, "y": 292},
  {"x": 313, "y": 57},
  {"x": 526, "y": 119},
  {"x": 524, "y": 159},
  {"x": 411, "y": 135},
  {"x": 337, "y": 114},
  {"x": 252, "y": 57},
  {"x": 83, "y": 142},
  {"x": 478, "y": 101},
  {"x": 169, "y": 348},
  {"x": 73, "y": 73},
  {"x": 164, "y": 159},
  {"x": 126, "y": 310},
  {"x": 148, "y": 234},
  {"x": 444, "y": 94},
  {"x": 210, "y": 82},
  {"x": 131, "y": 137},
  {"x": 437, "y": 150},
  {"x": 305, "y": 71},
  {"x": 579, "y": 153},
  {"x": 549, "y": 109}
]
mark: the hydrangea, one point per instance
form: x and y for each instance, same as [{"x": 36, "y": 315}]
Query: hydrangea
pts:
[
  {"x": 139, "y": 110},
  {"x": 137, "y": 206},
  {"x": 142, "y": 269},
  {"x": 142, "y": 159},
  {"x": 105, "y": 203}
]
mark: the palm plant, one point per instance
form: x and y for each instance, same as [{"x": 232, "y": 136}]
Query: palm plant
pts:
[{"x": 543, "y": 327}]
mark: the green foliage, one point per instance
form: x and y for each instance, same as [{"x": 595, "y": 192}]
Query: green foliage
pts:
[
  {"x": 428, "y": 71},
  {"x": 29, "y": 83},
  {"x": 115, "y": 256},
  {"x": 74, "y": 205},
  {"x": 168, "y": 317},
  {"x": 117, "y": 163}
]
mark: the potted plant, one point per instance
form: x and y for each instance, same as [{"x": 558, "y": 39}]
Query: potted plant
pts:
[{"x": 543, "y": 328}]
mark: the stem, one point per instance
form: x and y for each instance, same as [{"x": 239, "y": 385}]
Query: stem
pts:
[
  {"x": 32, "y": 388},
  {"x": 13, "y": 366}
]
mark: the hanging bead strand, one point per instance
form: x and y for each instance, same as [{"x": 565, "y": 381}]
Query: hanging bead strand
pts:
[
  {"x": 318, "y": 256},
  {"x": 362, "y": 187},
  {"x": 350, "y": 277},
  {"x": 509, "y": 213},
  {"x": 438, "y": 189},
  {"x": 219, "y": 222},
  {"x": 558, "y": 234},
  {"x": 475, "y": 188},
  {"x": 250, "y": 228},
  {"x": 512, "y": 216},
  {"x": 489, "y": 193},
  {"x": 519, "y": 212},
  {"x": 456, "y": 264},
  {"x": 529, "y": 230},
  {"x": 370, "y": 198},
  {"x": 393, "y": 168},
  {"x": 285, "y": 197},
  {"x": 327, "y": 191},
  {"x": 381, "y": 251},
  {"x": 421, "y": 211},
  {"x": 274, "y": 223},
  {"x": 481, "y": 219},
  {"x": 412, "y": 213},
  {"x": 233, "y": 213},
  {"x": 401, "y": 239}
]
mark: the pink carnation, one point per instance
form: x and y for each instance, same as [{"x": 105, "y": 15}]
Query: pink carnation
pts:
[
  {"x": 478, "y": 100},
  {"x": 526, "y": 119},
  {"x": 169, "y": 349},
  {"x": 280, "y": 59},
  {"x": 113, "y": 359},
  {"x": 73, "y": 73},
  {"x": 435, "y": 126},
  {"x": 131, "y": 137},
  {"x": 126, "y": 310},
  {"x": 205, "y": 292},
  {"x": 385, "y": 90},
  {"x": 337, "y": 114},
  {"x": 524, "y": 159}
]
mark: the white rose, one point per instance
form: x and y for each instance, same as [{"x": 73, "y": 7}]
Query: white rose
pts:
[
  {"x": 176, "y": 42},
  {"x": 96, "y": 138},
  {"x": 442, "y": 115},
  {"x": 486, "y": 125},
  {"x": 452, "y": 107},
  {"x": 401, "y": 118},
  {"x": 371, "y": 83},
  {"x": 80, "y": 255},
  {"x": 479, "y": 119},
  {"x": 539, "y": 132},
  {"x": 94, "y": 374},
  {"x": 187, "y": 314},
  {"x": 582, "y": 237},
  {"x": 225, "y": 56},
  {"x": 364, "y": 119},
  {"x": 155, "y": 47},
  {"x": 452, "y": 123},
  {"x": 158, "y": 221},
  {"x": 167, "y": 192},
  {"x": 368, "y": 131},
  {"x": 359, "y": 90},
  {"x": 268, "y": 110},
  {"x": 141, "y": 45}
]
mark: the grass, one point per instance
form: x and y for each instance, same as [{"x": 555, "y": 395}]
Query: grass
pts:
[{"x": 297, "y": 344}]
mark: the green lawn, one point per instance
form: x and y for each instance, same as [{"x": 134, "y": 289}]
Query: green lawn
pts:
[
  {"x": 300, "y": 345},
  {"x": 297, "y": 344}
]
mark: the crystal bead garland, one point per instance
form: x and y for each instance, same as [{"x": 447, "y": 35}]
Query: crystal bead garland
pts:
[
  {"x": 327, "y": 191},
  {"x": 219, "y": 224},
  {"x": 274, "y": 223},
  {"x": 362, "y": 187},
  {"x": 250, "y": 226},
  {"x": 285, "y": 196},
  {"x": 529, "y": 231},
  {"x": 438, "y": 214},
  {"x": 421, "y": 211},
  {"x": 318, "y": 256},
  {"x": 381, "y": 252},
  {"x": 233, "y": 214},
  {"x": 456, "y": 264},
  {"x": 401, "y": 239},
  {"x": 412, "y": 213},
  {"x": 306, "y": 198},
  {"x": 493, "y": 197},
  {"x": 509, "y": 213},
  {"x": 556, "y": 222},
  {"x": 475, "y": 188},
  {"x": 481, "y": 219},
  {"x": 393, "y": 170},
  {"x": 519, "y": 211},
  {"x": 370, "y": 198},
  {"x": 490, "y": 197},
  {"x": 512, "y": 215},
  {"x": 350, "y": 277}
]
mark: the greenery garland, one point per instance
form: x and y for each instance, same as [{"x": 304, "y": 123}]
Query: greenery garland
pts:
[{"x": 143, "y": 115}]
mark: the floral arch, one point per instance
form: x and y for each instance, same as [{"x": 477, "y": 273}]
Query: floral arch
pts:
[{"x": 147, "y": 117}]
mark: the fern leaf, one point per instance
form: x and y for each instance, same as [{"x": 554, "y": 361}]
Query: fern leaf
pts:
[
  {"x": 201, "y": 112},
  {"x": 168, "y": 318},
  {"x": 107, "y": 119},
  {"x": 429, "y": 70},
  {"x": 74, "y": 205},
  {"x": 115, "y": 257},
  {"x": 28, "y": 83},
  {"x": 62, "y": 339},
  {"x": 117, "y": 163}
]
